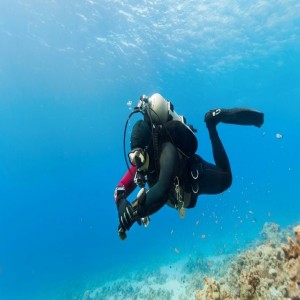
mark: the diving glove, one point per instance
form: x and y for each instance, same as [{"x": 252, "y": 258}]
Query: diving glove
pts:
[
  {"x": 138, "y": 206},
  {"x": 126, "y": 214}
]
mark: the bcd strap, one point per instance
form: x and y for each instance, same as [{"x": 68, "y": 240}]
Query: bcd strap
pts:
[
  {"x": 157, "y": 134},
  {"x": 195, "y": 169}
]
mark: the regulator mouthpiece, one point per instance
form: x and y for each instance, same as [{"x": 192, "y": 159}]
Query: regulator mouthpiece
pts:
[{"x": 143, "y": 102}]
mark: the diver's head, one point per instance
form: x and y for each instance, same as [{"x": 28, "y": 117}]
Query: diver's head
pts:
[
  {"x": 139, "y": 142},
  {"x": 159, "y": 109}
]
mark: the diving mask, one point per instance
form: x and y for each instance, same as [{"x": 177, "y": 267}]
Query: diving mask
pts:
[{"x": 139, "y": 158}]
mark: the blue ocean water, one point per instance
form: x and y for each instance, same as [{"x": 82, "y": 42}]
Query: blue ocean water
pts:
[{"x": 67, "y": 72}]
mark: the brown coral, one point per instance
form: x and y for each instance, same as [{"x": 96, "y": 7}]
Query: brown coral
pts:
[
  {"x": 297, "y": 234},
  {"x": 211, "y": 291},
  {"x": 292, "y": 264},
  {"x": 253, "y": 280},
  {"x": 266, "y": 272}
]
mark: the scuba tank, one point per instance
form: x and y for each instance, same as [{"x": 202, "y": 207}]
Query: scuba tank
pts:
[
  {"x": 159, "y": 109},
  {"x": 161, "y": 113}
]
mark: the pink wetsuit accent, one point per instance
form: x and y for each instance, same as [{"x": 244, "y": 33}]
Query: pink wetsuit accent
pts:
[{"x": 127, "y": 182}]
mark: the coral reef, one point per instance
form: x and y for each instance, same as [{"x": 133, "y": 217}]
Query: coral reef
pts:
[
  {"x": 292, "y": 265},
  {"x": 272, "y": 233},
  {"x": 270, "y": 271}
]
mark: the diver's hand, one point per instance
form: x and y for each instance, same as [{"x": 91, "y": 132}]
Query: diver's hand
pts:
[
  {"x": 126, "y": 215},
  {"x": 122, "y": 233}
]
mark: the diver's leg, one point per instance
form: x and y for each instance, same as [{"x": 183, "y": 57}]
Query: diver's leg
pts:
[
  {"x": 219, "y": 153},
  {"x": 214, "y": 178}
]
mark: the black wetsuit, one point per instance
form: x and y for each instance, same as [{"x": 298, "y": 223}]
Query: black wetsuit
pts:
[{"x": 212, "y": 179}]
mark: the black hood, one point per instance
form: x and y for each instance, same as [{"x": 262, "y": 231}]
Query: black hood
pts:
[{"x": 140, "y": 136}]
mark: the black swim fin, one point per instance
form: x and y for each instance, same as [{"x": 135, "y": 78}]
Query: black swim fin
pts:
[{"x": 237, "y": 116}]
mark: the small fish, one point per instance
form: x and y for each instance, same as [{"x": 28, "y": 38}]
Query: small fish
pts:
[{"x": 279, "y": 136}]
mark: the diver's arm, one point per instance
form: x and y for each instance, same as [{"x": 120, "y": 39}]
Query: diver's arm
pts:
[
  {"x": 157, "y": 195},
  {"x": 126, "y": 185}
]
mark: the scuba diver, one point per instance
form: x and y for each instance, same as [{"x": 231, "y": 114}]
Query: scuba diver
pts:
[{"x": 163, "y": 157}]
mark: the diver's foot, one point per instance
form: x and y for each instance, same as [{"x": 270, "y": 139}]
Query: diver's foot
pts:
[
  {"x": 213, "y": 117},
  {"x": 236, "y": 116}
]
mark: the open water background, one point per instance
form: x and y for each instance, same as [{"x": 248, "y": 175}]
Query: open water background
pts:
[{"x": 67, "y": 72}]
